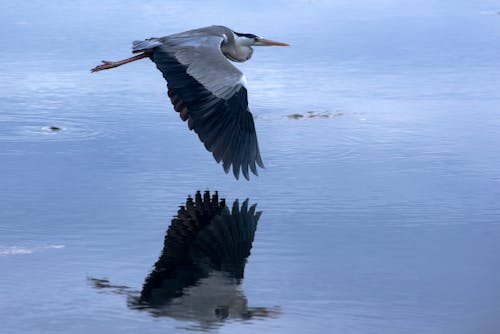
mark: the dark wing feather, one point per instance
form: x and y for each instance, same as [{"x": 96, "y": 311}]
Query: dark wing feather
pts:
[
  {"x": 227, "y": 240},
  {"x": 176, "y": 268},
  {"x": 224, "y": 124},
  {"x": 203, "y": 237}
]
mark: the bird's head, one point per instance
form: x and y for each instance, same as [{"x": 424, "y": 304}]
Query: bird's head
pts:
[{"x": 254, "y": 40}]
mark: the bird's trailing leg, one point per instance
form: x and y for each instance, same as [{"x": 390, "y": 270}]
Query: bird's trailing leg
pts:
[{"x": 110, "y": 64}]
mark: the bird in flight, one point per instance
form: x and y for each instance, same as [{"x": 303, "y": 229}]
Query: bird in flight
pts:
[{"x": 207, "y": 90}]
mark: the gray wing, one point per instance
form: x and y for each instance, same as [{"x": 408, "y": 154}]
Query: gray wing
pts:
[
  {"x": 209, "y": 92},
  {"x": 205, "y": 62}
]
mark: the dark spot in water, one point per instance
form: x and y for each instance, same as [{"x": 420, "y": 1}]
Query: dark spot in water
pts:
[
  {"x": 315, "y": 114},
  {"x": 103, "y": 283},
  {"x": 295, "y": 116},
  {"x": 54, "y": 128}
]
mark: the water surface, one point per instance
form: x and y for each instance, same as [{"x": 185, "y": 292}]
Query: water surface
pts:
[{"x": 383, "y": 219}]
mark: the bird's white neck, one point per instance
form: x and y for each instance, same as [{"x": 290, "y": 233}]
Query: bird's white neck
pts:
[{"x": 238, "y": 49}]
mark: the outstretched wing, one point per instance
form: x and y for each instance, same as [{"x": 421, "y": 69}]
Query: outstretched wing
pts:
[
  {"x": 204, "y": 237},
  {"x": 209, "y": 92}
]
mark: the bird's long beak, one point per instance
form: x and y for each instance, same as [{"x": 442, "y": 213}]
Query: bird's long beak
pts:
[{"x": 268, "y": 42}]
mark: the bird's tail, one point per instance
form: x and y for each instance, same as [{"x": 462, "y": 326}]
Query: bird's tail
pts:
[{"x": 145, "y": 45}]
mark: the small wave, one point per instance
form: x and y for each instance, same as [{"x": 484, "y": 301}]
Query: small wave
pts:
[
  {"x": 15, "y": 250},
  {"x": 19, "y": 250},
  {"x": 55, "y": 246}
]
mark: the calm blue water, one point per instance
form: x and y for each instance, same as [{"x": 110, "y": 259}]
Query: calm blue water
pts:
[{"x": 382, "y": 219}]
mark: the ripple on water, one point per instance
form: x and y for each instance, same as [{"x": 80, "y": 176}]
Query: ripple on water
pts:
[
  {"x": 36, "y": 128},
  {"x": 315, "y": 132}
]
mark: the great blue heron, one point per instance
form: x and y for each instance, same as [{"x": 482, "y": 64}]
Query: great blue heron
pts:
[
  {"x": 207, "y": 90},
  {"x": 198, "y": 276},
  {"x": 199, "y": 273}
]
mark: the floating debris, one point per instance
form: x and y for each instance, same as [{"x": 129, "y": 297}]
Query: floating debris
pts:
[
  {"x": 105, "y": 284},
  {"x": 295, "y": 116},
  {"x": 102, "y": 283},
  {"x": 315, "y": 114},
  {"x": 54, "y": 128}
]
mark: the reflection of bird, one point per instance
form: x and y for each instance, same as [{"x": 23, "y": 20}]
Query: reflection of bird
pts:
[
  {"x": 207, "y": 90},
  {"x": 199, "y": 272}
]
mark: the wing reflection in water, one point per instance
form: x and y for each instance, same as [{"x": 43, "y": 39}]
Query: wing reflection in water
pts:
[{"x": 200, "y": 270}]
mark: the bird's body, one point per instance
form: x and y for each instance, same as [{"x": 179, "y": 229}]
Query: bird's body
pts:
[{"x": 207, "y": 90}]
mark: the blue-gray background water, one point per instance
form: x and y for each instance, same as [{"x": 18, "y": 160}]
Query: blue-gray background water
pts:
[{"x": 383, "y": 218}]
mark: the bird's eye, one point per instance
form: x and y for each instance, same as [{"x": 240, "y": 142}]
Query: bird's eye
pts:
[{"x": 255, "y": 39}]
